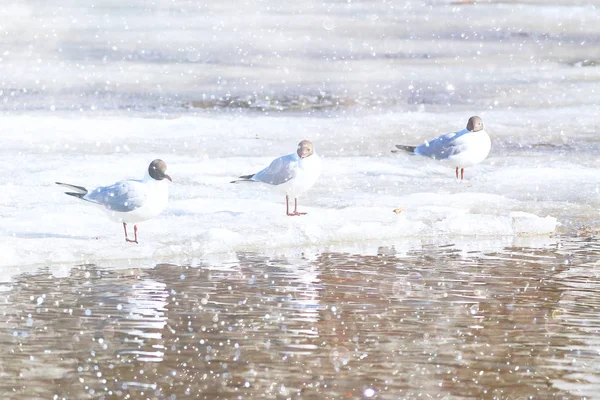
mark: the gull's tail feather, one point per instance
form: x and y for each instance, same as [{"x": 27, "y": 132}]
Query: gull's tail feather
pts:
[
  {"x": 244, "y": 178},
  {"x": 408, "y": 149},
  {"x": 80, "y": 190}
]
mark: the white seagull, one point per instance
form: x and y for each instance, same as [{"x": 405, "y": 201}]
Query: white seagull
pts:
[
  {"x": 458, "y": 149},
  {"x": 292, "y": 174},
  {"x": 130, "y": 201}
]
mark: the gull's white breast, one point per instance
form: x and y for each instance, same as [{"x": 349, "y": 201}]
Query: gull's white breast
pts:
[
  {"x": 306, "y": 173},
  {"x": 470, "y": 149}
]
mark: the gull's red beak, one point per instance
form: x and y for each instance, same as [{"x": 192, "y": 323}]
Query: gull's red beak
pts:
[{"x": 169, "y": 178}]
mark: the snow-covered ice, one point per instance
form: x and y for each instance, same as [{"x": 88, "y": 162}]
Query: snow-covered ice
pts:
[{"x": 522, "y": 189}]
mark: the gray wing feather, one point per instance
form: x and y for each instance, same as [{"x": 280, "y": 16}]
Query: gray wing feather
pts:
[
  {"x": 279, "y": 171},
  {"x": 123, "y": 196},
  {"x": 443, "y": 147}
]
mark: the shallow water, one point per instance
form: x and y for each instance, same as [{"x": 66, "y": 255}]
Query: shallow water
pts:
[
  {"x": 180, "y": 56},
  {"x": 432, "y": 322}
]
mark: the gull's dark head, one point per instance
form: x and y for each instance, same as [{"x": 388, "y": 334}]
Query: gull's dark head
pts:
[
  {"x": 305, "y": 149},
  {"x": 158, "y": 170},
  {"x": 475, "y": 124}
]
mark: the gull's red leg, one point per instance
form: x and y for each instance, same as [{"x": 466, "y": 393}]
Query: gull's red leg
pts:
[
  {"x": 296, "y": 208},
  {"x": 456, "y": 172},
  {"x": 134, "y": 230},
  {"x": 462, "y": 174},
  {"x": 287, "y": 206}
]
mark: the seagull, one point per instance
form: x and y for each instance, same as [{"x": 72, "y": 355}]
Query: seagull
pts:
[
  {"x": 292, "y": 174},
  {"x": 130, "y": 201},
  {"x": 459, "y": 149}
]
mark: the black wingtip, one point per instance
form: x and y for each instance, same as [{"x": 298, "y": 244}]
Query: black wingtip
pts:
[
  {"x": 409, "y": 149},
  {"x": 68, "y": 185},
  {"x": 78, "y": 195},
  {"x": 244, "y": 178}
]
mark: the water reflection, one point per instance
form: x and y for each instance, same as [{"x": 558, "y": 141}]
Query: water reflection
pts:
[{"x": 436, "y": 322}]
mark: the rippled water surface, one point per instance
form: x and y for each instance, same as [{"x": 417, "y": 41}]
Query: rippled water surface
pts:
[{"x": 433, "y": 322}]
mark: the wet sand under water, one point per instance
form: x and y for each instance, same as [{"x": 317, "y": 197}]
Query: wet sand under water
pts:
[{"x": 434, "y": 322}]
